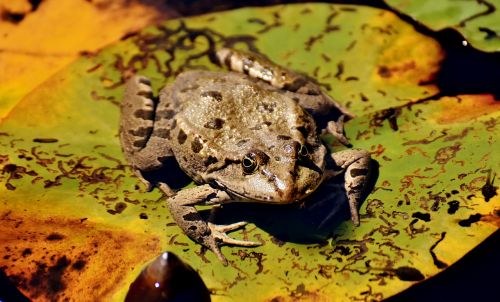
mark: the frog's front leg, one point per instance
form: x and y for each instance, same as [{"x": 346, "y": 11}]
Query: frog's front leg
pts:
[
  {"x": 312, "y": 97},
  {"x": 355, "y": 163},
  {"x": 208, "y": 234},
  {"x": 142, "y": 138}
]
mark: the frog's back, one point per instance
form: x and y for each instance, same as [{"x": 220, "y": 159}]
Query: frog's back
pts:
[{"x": 229, "y": 113}]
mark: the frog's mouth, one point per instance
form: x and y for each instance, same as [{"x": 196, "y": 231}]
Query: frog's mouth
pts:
[{"x": 277, "y": 196}]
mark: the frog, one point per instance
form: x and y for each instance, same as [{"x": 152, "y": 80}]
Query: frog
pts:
[{"x": 243, "y": 134}]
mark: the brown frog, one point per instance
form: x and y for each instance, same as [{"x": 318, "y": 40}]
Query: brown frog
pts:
[{"x": 243, "y": 136}]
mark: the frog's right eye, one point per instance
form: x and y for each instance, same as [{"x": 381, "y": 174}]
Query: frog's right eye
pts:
[{"x": 249, "y": 164}]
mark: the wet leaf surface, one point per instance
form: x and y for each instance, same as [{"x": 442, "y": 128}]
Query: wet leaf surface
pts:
[
  {"x": 38, "y": 38},
  {"x": 75, "y": 222},
  {"x": 477, "y": 20}
]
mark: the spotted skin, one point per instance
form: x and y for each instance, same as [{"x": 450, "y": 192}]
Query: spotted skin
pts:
[
  {"x": 312, "y": 97},
  {"x": 245, "y": 136}
]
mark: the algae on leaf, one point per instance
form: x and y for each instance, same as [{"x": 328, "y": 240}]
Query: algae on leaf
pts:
[
  {"x": 477, "y": 20},
  {"x": 76, "y": 223}
]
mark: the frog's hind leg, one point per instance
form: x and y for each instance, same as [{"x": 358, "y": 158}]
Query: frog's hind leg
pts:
[
  {"x": 313, "y": 98},
  {"x": 355, "y": 163},
  {"x": 144, "y": 147},
  {"x": 186, "y": 216}
]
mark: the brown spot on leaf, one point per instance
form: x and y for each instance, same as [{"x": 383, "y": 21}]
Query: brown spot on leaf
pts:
[
  {"x": 422, "y": 216},
  {"x": 94, "y": 68},
  {"x": 453, "y": 206},
  {"x": 438, "y": 263},
  {"x": 391, "y": 115},
  {"x": 489, "y": 190},
  {"x": 79, "y": 265},
  {"x": 443, "y": 155},
  {"x": 340, "y": 70},
  {"x": 119, "y": 207},
  {"x": 384, "y": 71},
  {"x": 387, "y": 72},
  {"x": 469, "y": 221},
  {"x": 253, "y": 255},
  {"x": 90, "y": 254},
  {"x": 277, "y": 241},
  {"x": 363, "y": 97},
  {"x": 15, "y": 172},
  {"x": 27, "y": 252},
  {"x": 12, "y": 17},
  {"x": 55, "y": 237},
  {"x": 256, "y": 21},
  {"x": 50, "y": 278},
  {"x": 45, "y": 140},
  {"x": 406, "y": 273}
]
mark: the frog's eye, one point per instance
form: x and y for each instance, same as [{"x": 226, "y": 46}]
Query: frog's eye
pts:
[
  {"x": 303, "y": 152},
  {"x": 249, "y": 164}
]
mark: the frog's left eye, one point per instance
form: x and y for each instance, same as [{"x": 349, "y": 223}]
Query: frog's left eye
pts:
[
  {"x": 249, "y": 164},
  {"x": 303, "y": 152}
]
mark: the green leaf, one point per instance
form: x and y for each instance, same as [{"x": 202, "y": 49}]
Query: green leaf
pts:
[
  {"x": 477, "y": 21},
  {"x": 76, "y": 222}
]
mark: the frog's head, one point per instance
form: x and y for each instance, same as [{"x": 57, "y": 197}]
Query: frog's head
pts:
[{"x": 285, "y": 173}]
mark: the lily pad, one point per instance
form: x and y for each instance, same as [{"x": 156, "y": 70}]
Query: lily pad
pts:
[
  {"x": 39, "y": 38},
  {"x": 477, "y": 21},
  {"x": 75, "y": 222}
]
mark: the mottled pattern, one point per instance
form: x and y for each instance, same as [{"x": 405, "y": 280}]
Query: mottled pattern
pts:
[
  {"x": 63, "y": 174},
  {"x": 267, "y": 144}
]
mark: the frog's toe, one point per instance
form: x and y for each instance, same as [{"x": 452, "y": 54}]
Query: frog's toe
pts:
[
  {"x": 165, "y": 188},
  {"x": 219, "y": 237},
  {"x": 229, "y": 227},
  {"x": 219, "y": 233},
  {"x": 214, "y": 247}
]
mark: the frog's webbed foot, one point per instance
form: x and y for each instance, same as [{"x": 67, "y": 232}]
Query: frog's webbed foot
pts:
[
  {"x": 219, "y": 233},
  {"x": 219, "y": 237},
  {"x": 142, "y": 146},
  {"x": 189, "y": 220},
  {"x": 355, "y": 163}
]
